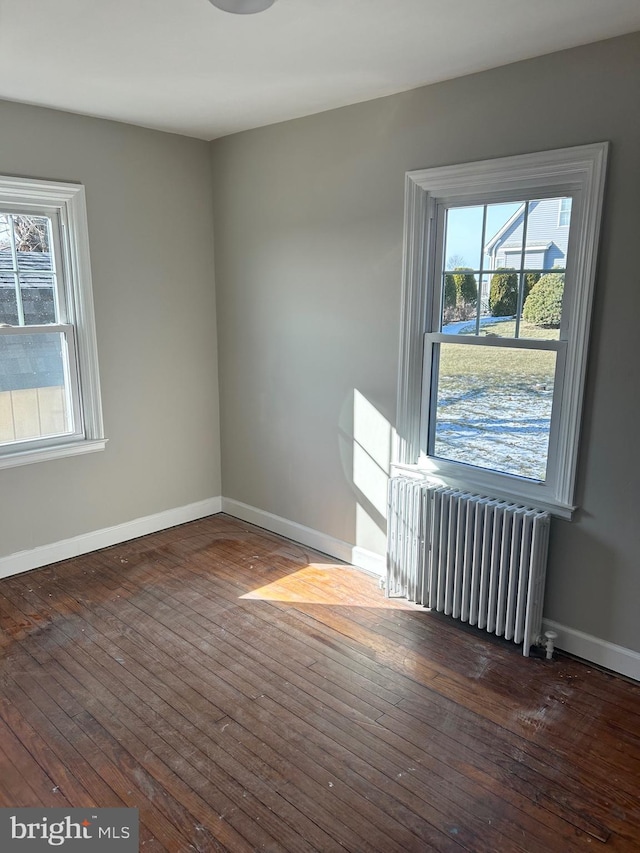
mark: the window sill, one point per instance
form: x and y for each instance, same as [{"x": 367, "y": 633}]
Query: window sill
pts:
[
  {"x": 44, "y": 454},
  {"x": 555, "y": 508}
]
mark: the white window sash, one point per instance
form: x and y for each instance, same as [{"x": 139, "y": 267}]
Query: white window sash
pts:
[
  {"x": 481, "y": 341},
  {"x": 71, "y": 385},
  {"x": 521, "y": 488}
]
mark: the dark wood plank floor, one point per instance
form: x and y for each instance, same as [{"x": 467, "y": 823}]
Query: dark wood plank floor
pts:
[{"x": 245, "y": 693}]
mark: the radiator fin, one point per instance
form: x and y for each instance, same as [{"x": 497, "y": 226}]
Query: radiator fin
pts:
[{"x": 477, "y": 559}]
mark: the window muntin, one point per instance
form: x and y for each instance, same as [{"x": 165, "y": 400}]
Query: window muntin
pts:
[{"x": 49, "y": 389}]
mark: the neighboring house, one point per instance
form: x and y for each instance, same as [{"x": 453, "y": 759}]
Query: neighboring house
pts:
[{"x": 546, "y": 241}]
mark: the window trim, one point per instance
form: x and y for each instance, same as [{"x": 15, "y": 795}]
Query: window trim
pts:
[
  {"x": 578, "y": 171},
  {"x": 69, "y": 203}
]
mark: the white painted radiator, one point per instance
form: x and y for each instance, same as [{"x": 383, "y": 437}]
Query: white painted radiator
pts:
[{"x": 477, "y": 559}]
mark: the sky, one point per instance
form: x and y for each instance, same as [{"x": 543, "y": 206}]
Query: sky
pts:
[{"x": 464, "y": 232}]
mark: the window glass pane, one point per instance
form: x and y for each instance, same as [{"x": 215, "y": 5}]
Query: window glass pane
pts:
[
  {"x": 459, "y": 302},
  {"x": 32, "y": 242},
  {"x": 34, "y": 398},
  {"x": 542, "y": 306},
  {"x": 493, "y": 407},
  {"x": 503, "y": 293},
  {"x": 8, "y": 301},
  {"x": 463, "y": 243},
  {"x": 540, "y": 300},
  {"x": 503, "y": 242},
  {"x": 547, "y": 234},
  {"x": 462, "y": 267},
  {"x": 38, "y": 301}
]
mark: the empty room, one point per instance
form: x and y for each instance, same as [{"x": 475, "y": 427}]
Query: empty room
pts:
[{"x": 319, "y": 456}]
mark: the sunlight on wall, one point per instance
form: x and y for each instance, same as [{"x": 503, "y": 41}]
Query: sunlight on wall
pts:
[
  {"x": 371, "y": 430},
  {"x": 369, "y": 533},
  {"x": 370, "y": 478},
  {"x": 372, "y": 437}
]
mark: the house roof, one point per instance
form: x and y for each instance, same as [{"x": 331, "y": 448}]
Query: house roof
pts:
[
  {"x": 507, "y": 225},
  {"x": 531, "y": 247}
]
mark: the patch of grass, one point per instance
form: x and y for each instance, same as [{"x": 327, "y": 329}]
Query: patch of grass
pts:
[
  {"x": 496, "y": 366},
  {"x": 507, "y": 329},
  {"x": 494, "y": 402}
]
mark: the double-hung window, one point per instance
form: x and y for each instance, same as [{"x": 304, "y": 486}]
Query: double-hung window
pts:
[
  {"x": 49, "y": 388},
  {"x": 496, "y": 315}
]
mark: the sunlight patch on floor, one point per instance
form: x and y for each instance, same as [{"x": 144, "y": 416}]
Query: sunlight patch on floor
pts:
[{"x": 322, "y": 583}]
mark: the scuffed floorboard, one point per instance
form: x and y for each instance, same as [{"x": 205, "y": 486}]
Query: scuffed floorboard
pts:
[{"x": 246, "y": 693}]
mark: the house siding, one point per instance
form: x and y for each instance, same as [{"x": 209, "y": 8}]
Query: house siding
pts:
[{"x": 543, "y": 230}]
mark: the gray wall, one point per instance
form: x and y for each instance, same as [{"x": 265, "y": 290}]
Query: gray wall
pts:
[
  {"x": 308, "y": 223},
  {"x": 150, "y": 226}
]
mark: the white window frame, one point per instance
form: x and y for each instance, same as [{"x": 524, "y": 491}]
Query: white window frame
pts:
[
  {"x": 65, "y": 204},
  {"x": 577, "y": 172}
]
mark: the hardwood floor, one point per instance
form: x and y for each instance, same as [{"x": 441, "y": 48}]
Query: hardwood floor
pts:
[{"x": 245, "y": 694}]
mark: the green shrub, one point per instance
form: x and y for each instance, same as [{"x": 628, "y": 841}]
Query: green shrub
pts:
[
  {"x": 466, "y": 287},
  {"x": 530, "y": 280},
  {"x": 450, "y": 293},
  {"x": 543, "y": 306},
  {"x": 503, "y": 293},
  {"x": 460, "y": 295}
]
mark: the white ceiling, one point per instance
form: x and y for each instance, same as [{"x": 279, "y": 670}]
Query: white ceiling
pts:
[{"x": 187, "y": 67}]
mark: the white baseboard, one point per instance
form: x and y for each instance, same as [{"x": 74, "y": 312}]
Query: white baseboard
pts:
[
  {"x": 590, "y": 648},
  {"x": 368, "y": 561},
  {"x": 24, "y": 561}
]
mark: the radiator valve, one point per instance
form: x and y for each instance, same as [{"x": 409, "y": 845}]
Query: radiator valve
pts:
[{"x": 550, "y": 636}]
